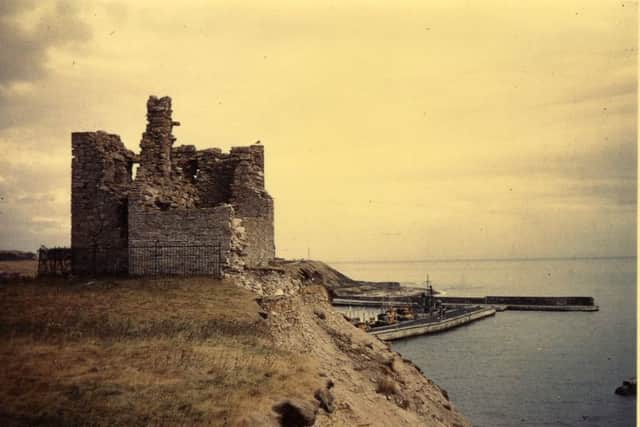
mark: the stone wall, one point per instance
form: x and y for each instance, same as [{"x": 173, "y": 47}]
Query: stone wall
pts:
[
  {"x": 236, "y": 178},
  {"x": 157, "y": 139},
  {"x": 189, "y": 227},
  {"x": 215, "y": 173},
  {"x": 260, "y": 243},
  {"x": 180, "y": 195},
  {"x": 100, "y": 180},
  {"x": 158, "y": 181},
  {"x": 252, "y": 203}
]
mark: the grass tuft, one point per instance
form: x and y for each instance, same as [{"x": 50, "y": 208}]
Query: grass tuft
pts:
[{"x": 386, "y": 386}]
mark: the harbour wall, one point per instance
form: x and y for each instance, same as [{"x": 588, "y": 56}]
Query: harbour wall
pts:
[
  {"x": 397, "y": 332},
  {"x": 519, "y": 300}
]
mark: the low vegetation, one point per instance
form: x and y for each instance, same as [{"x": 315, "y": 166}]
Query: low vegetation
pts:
[
  {"x": 386, "y": 386},
  {"x": 129, "y": 352},
  {"x": 23, "y": 268}
]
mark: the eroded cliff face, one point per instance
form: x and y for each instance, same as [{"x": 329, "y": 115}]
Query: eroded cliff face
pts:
[{"x": 370, "y": 384}]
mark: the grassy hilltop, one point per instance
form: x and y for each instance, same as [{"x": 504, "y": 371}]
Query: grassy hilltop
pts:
[
  {"x": 199, "y": 351},
  {"x": 132, "y": 351}
]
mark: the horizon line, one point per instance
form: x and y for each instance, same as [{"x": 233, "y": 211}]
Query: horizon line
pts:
[{"x": 546, "y": 258}]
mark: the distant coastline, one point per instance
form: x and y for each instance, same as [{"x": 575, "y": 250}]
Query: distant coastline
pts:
[{"x": 514, "y": 259}]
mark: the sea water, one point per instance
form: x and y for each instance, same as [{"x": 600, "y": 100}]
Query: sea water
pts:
[{"x": 526, "y": 368}]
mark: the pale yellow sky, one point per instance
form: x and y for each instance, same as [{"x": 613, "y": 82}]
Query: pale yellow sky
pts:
[{"x": 392, "y": 130}]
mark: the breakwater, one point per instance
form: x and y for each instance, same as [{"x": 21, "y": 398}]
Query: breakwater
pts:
[
  {"x": 541, "y": 303},
  {"x": 527, "y": 302},
  {"x": 422, "y": 327}
]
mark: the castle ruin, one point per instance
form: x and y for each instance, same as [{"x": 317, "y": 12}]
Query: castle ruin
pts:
[{"x": 179, "y": 196}]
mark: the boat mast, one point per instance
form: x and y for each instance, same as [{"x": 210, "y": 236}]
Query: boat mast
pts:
[{"x": 427, "y": 299}]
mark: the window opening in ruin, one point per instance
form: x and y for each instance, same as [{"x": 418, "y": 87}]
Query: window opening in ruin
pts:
[
  {"x": 133, "y": 170},
  {"x": 195, "y": 175}
]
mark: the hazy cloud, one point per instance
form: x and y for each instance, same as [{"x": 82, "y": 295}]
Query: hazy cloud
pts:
[
  {"x": 24, "y": 50},
  {"x": 502, "y": 124},
  {"x": 33, "y": 190}
]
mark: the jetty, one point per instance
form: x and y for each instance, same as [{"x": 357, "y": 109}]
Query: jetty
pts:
[{"x": 455, "y": 318}]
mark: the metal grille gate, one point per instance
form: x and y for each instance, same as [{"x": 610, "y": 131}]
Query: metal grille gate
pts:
[
  {"x": 175, "y": 259},
  {"x": 141, "y": 260}
]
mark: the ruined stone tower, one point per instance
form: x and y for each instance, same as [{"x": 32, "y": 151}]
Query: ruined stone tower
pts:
[{"x": 179, "y": 196}]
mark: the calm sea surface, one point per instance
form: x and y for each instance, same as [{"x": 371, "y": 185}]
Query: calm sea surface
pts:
[{"x": 529, "y": 368}]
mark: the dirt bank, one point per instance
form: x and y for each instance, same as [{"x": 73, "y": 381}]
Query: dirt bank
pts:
[{"x": 374, "y": 386}]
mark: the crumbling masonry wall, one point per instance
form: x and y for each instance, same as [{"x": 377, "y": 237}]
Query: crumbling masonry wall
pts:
[
  {"x": 180, "y": 195},
  {"x": 252, "y": 203},
  {"x": 100, "y": 181},
  {"x": 186, "y": 227}
]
